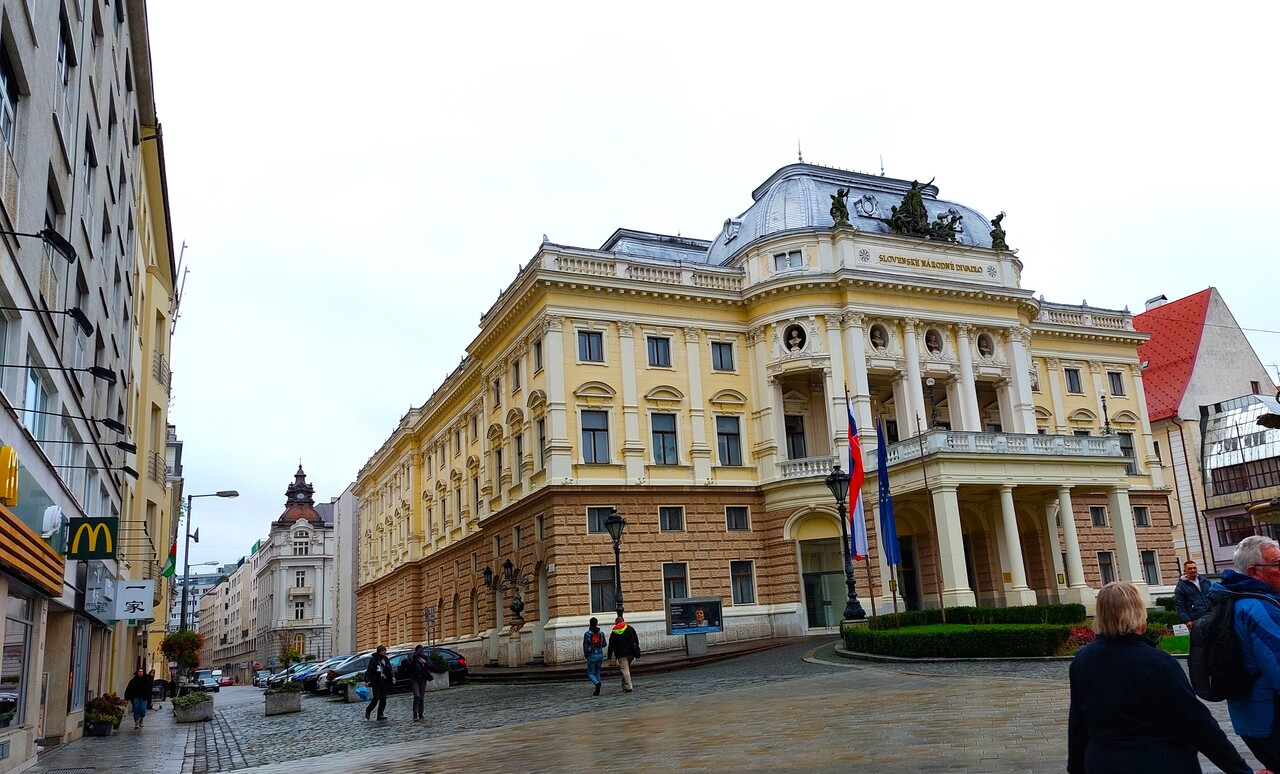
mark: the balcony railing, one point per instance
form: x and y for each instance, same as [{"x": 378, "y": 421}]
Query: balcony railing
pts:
[
  {"x": 157, "y": 468},
  {"x": 956, "y": 441},
  {"x": 299, "y": 591},
  {"x": 807, "y": 467},
  {"x": 160, "y": 370}
]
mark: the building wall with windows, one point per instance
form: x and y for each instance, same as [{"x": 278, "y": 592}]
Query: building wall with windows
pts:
[
  {"x": 698, "y": 388},
  {"x": 75, "y": 95},
  {"x": 346, "y": 557}
]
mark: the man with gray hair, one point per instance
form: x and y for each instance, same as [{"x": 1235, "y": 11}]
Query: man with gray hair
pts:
[{"x": 1253, "y": 583}]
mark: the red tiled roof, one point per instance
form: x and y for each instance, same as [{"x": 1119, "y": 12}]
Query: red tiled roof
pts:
[{"x": 1170, "y": 354}]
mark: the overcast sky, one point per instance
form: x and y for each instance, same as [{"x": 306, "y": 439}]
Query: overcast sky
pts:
[{"x": 355, "y": 183}]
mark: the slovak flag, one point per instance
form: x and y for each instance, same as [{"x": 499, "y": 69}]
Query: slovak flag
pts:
[{"x": 857, "y": 474}]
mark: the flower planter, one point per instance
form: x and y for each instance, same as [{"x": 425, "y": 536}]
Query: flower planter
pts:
[
  {"x": 349, "y": 694},
  {"x": 284, "y": 703},
  {"x": 98, "y": 728},
  {"x": 439, "y": 681},
  {"x": 194, "y": 713}
]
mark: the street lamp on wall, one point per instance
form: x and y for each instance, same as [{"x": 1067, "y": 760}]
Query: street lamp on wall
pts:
[
  {"x": 512, "y": 579},
  {"x": 838, "y": 484},
  {"x": 75, "y": 313},
  {"x": 97, "y": 372},
  {"x": 614, "y": 525},
  {"x": 57, "y": 242},
  {"x": 186, "y": 551}
]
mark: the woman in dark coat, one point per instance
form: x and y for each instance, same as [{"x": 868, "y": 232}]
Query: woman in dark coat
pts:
[
  {"x": 138, "y": 694},
  {"x": 1132, "y": 707}
]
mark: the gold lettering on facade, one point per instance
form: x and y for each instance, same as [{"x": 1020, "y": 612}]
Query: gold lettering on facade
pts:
[{"x": 929, "y": 263}]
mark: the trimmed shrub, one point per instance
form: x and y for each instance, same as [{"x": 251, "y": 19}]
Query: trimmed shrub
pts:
[
  {"x": 1166, "y": 603},
  {"x": 974, "y": 616},
  {"x": 189, "y": 700},
  {"x": 961, "y": 641},
  {"x": 1157, "y": 618}
]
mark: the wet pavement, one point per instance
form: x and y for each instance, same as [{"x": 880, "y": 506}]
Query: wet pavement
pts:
[{"x": 795, "y": 707}]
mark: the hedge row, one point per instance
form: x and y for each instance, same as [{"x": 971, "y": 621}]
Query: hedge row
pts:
[
  {"x": 979, "y": 642},
  {"x": 1027, "y": 614},
  {"x": 1166, "y": 602},
  {"x": 1156, "y": 617}
]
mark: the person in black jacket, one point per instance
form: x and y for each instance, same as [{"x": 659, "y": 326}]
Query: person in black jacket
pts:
[
  {"x": 138, "y": 693},
  {"x": 624, "y": 645},
  {"x": 419, "y": 676},
  {"x": 380, "y": 679},
  {"x": 1191, "y": 595},
  {"x": 1132, "y": 707}
]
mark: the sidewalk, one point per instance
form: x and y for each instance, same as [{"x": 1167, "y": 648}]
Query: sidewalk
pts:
[
  {"x": 161, "y": 747},
  {"x": 649, "y": 663}
]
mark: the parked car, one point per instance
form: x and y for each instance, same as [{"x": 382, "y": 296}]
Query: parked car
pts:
[
  {"x": 280, "y": 677},
  {"x": 352, "y": 666},
  {"x": 260, "y": 677},
  {"x": 310, "y": 682},
  {"x": 205, "y": 681},
  {"x": 457, "y": 666},
  {"x": 226, "y": 680}
]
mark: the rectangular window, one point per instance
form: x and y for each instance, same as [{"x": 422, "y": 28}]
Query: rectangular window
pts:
[
  {"x": 475, "y": 494},
  {"x": 596, "y": 518},
  {"x": 1257, "y": 388},
  {"x": 13, "y": 667},
  {"x": 1115, "y": 380},
  {"x": 537, "y": 356},
  {"x": 787, "y": 260},
  {"x": 497, "y": 393},
  {"x": 1126, "y": 450},
  {"x": 742, "y": 577},
  {"x": 729, "y": 440},
  {"x": 1082, "y": 433},
  {"x": 675, "y": 581},
  {"x": 8, "y": 101},
  {"x": 1260, "y": 474},
  {"x": 595, "y": 437},
  {"x": 602, "y": 589},
  {"x": 36, "y": 400},
  {"x": 671, "y": 518},
  {"x": 1073, "y": 380},
  {"x": 515, "y": 376},
  {"x": 1150, "y": 568},
  {"x": 299, "y": 611},
  {"x": 1233, "y": 529},
  {"x": 299, "y": 578},
  {"x": 659, "y": 352},
  {"x": 591, "y": 346},
  {"x": 1098, "y": 515},
  {"x": 1142, "y": 516},
  {"x": 542, "y": 444},
  {"x": 1106, "y": 567},
  {"x": 457, "y": 505},
  {"x": 664, "y": 439},
  {"x": 1159, "y": 458},
  {"x": 517, "y": 440},
  {"x": 79, "y": 664},
  {"x": 722, "y": 356},
  {"x": 301, "y": 549},
  {"x": 539, "y": 527},
  {"x": 795, "y": 436},
  {"x": 737, "y": 517},
  {"x": 515, "y": 538}
]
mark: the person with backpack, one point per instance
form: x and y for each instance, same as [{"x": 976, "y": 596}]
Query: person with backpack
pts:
[
  {"x": 380, "y": 679},
  {"x": 624, "y": 645},
  {"x": 593, "y": 646},
  {"x": 1191, "y": 595},
  {"x": 1253, "y": 585},
  {"x": 1132, "y": 708}
]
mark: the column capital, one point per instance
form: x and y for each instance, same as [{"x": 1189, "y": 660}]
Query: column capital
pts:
[
  {"x": 964, "y": 329},
  {"x": 853, "y": 319},
  {"x": 1052, "y": 363},
  {"x": 833, "y": 322},
  {"x": 1007, "y": 488},
  {"x": 626, "y": 328},
  {"x": 909, "y": 324},
  {"x": 553, "y": 322},
  {"x": 1095, "y": 366},
  {"x": 1136, "y": 370},
  {"x": 692, "y": 335},
  {"x": 755, "y": 335},
  {"x": 1064, "y": 490}
]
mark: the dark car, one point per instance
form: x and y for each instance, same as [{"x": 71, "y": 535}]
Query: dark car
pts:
[
  {"x": 457, "y": 666},
  {"x": 280, "y": 677},
  {"x": 310, "y": 681},
  {"x": 356, "y": 665}
]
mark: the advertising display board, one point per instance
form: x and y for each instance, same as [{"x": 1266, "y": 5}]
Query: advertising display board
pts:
[{"x": 695, "y": 615}]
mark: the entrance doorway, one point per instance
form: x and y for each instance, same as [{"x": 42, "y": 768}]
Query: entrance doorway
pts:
[
  {"x": 822, "y": 570},
  {"x": 908, "y": 577}
]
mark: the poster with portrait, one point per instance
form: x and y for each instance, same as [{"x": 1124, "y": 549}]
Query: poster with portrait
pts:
[{"x": 695, "y": 615}]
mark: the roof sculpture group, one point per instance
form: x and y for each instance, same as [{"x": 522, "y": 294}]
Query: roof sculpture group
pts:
[{"x": 911, "y": 218}]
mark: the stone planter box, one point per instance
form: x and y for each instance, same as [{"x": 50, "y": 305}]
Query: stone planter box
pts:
[
  {"x": 349, "y": 694},
  {"x": 439, "y": 681},
  {"x": 98, "y": 728},
  {"x": 195, "y": 714},
  {"x": 284, "y": 703}
]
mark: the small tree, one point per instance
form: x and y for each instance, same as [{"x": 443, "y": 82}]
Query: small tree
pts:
[
  {"x": 290, "y": 656},
  {"x": 183, "y": 648}
]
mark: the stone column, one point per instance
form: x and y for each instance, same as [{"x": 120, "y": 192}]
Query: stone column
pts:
[
  {"x": 855, "y": 338},
  {"x": 1099, "y": 389},
  {"x": 1077, "y": 589},
  {"x": 1024, "y": 412},
  {"x": 766, "y": 438},
  {"x": 836, "y": 383},
  {"x": 1053, "y": 382},
  {"x": 633, "y": 445},
  {"x": 1019, "y": 593},
  {"x": 955, "y": 577},
  {"x": 1152, "y": 462},
  {"x": 914, "y": 389},
  {"x": 971, "y": 420},
  {"x": 699, "y": 450},
  {"x": 559, "y": 449},
  {"x": 1126, "y": 538}
]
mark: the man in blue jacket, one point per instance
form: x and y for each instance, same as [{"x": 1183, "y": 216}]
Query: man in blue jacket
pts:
[{"x": 1254, "y": 581}]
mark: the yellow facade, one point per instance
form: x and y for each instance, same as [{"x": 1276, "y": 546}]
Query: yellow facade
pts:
[{"x": 566, "y": 401}]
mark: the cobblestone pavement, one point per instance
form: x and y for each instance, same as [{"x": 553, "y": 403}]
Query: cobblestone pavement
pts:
[{"x": 774, "y": 710}]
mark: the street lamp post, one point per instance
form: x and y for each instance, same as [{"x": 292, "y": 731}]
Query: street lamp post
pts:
[
  {"x": 186, "y": 551},
  {"x": 838, "y": 483},
  {"x": 614, "y": 526}
]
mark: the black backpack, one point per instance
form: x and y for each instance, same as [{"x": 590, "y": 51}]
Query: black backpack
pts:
[{"x": 1215, "y": 662}]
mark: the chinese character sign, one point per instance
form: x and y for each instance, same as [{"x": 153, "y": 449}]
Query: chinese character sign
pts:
[{"x": 134, "y": 599}]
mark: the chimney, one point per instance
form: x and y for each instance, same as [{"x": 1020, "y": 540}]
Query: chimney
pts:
[{"x": 1159, "y": 300}]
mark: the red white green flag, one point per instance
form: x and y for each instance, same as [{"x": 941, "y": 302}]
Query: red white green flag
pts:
[{"x": 171, "y": 566}]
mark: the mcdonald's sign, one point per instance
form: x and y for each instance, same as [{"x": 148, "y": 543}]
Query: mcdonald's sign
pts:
[
  {"x": 8, "y": 476},
  {"x": 93, "y": 537}
]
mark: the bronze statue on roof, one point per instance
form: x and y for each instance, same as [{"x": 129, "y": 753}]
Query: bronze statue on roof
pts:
[{"x": 840, "y": 207}]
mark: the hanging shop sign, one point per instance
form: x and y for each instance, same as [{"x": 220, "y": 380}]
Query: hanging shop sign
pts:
[{"x": 93, "y": 537}]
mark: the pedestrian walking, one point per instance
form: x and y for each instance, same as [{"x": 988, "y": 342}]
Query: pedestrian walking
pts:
[
  {"x": 593, "y": 647},
  {"x": 419, "y": 676},
  {"x": 1191, "y": 595},
  {"x": 1254, "y": 582},
  {"x": 1132, "y": 708},
  {"x": 138, "y": 694},
  {"x": 380, "y": 679},
  {"x": 624, "y": 645}
]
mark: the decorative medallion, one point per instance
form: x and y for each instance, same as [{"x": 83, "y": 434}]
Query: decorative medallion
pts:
[{"x": 864, "y": 255}]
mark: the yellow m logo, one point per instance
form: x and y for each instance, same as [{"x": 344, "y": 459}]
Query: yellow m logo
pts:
[{"x": 89, "y": 531}]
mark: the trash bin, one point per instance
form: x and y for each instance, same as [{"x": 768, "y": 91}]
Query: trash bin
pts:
[{"x": 159, "y": 690}]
